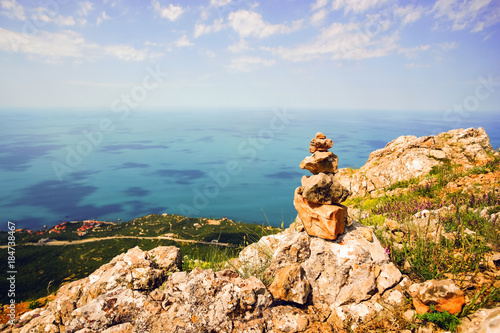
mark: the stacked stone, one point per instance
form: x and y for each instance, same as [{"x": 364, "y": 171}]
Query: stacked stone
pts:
[{"x": 318, "y": 199}]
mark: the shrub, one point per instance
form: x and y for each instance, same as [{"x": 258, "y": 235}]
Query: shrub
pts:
[{"x": 443, "y": 320}]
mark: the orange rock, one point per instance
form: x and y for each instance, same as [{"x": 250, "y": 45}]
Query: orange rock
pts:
[
  {"x": 324, "y": 221},
  {"x": 443, "y": 294}
]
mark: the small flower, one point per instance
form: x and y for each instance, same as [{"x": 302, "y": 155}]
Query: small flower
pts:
[{"x": 387, "y": 250}]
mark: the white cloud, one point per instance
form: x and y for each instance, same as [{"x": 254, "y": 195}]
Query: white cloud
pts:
[
  {"x": 357, "y": 6},
  {"x": 48, "y": 47},
  {"x": 56, "y": 48},
  {"x": 319, "y": 16},
  {"x": 43, "y": 15},
  {"x": 448, "y": 46},
  {"x": 411, "y": 52},
  {"x": 171, "y": 12},
  {"x": 202, "y": 29},
  {"x": 409, "y": 14},
  {"x": 319, "y": 4},
  {"x": 341, "y": 42},
  {"x": 12, "y": 10},
  {"x": 102, "y": 17},
  {"x": 475, "y": 15},
  {"x": 126, "y": 52},
  {"x": 248, "y": 64},
  {"x": 183, "y": 41},
  {"x": 250, "y": 24},
  {"x": 85, "y": 8},
  {"x": 241, "y": 46},
  {"x": 219, "y": 3}
]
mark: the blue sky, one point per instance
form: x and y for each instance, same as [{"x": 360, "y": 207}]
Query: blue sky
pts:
[{"x": 337, "y": 54}]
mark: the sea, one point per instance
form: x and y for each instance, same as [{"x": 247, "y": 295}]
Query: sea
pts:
[{"x": 242, "y": 164}]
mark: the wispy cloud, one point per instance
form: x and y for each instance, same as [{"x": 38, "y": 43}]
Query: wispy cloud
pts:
[
  {"x": 319, "y": 4},
  {"x": 12, "y": 9},
  {"x": 319, "y": 16},
  {"x": 183, "y": 42},
  {"x": 357, "y": 6},
  {"x": 56, "y": 48},
  {"x": 250, "y": 24},
  {"x": 412, "y": 52},
  {"x": 341, "y": 42},
  {"x": 85, "y": 8},
  {"x": 474, "y": 15},
  {"x": 172, "y": 12},
  {"x": 202, "y": 29},
  {"x": 102, "y": 17}
]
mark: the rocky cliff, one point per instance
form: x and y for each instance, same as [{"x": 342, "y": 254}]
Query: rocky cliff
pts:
[
  {"x": 410, "y": 157},
  {"x": 330, "y": 274}
]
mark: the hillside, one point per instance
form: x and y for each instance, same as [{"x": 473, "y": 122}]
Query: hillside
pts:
[
  {"x": 72, "y": 250},
  {"x": 414, "y": 248}
]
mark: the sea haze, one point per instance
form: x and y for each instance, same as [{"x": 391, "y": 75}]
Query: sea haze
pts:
[{"x": 241, "y": 164}]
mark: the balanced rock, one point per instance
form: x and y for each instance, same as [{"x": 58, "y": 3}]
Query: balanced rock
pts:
[
  {"x": 323, "y": 189},
  {"x": 320, "y": 143},
  {"x": 321, "y": 161},
  {"x": 324, "y": 221}
]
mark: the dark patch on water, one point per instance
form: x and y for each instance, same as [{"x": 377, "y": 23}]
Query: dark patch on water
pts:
[
  {"x": 132, "y": 165},
  {"x": 136, "y": 191},
  {"x": 118, "y": 147},
  {"x": 183, "y": 177},
  {"x": 64, "y": 198},
  {"x": 19, "y": 156}
]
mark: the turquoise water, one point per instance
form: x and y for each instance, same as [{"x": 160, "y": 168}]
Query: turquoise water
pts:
[{"x": 242, "y": 164}]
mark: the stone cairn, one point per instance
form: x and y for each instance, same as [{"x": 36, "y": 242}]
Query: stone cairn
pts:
[{"x": 318, "y": 199}]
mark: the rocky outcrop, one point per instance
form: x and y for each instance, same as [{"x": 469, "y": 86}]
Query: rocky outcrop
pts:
[
  {"x": 482, "y": 321},
  {"x": 409, "y": 157},
  {"x": 318, "y": 199},
  {"x": 350, "y": 278}
]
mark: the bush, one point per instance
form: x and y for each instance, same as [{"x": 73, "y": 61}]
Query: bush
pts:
[
  {"x": 443, "y": 320},
  {"x": 34, "y": 305}
]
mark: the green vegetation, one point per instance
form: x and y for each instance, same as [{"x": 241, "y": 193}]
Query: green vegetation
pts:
[
  {"x": 43, "y": 268},
  {"x": 421, "y": 249},
  {"x": 443, "y": 320}
]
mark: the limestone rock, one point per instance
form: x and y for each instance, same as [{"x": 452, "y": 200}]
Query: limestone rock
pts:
[
  {"x": 320, "y": 161},
  {"x": 443, "y": 294},
  {"x": 324, "y": 221},
  {"x": 204, "y": 301},
  {"x": 290, "y": 285},
  {"x": 481, "y": 321},
  {"x": 323, "y": 189},
  {"x": 409, "y": 157},
  {"x": 389, "y": 276},
  {"x": 320, "y": 143}
]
